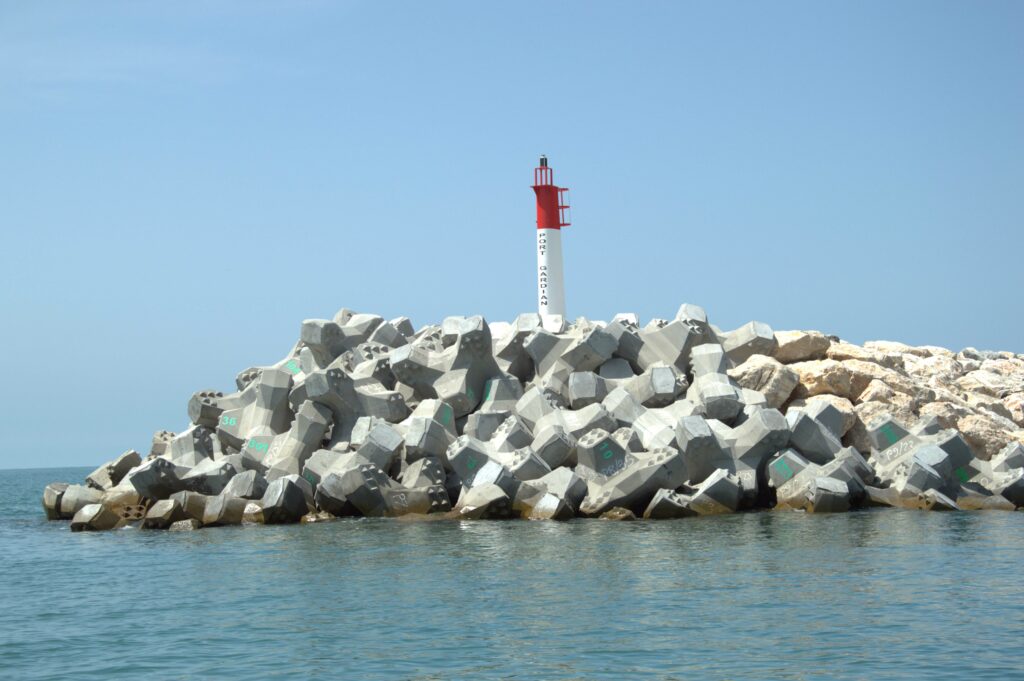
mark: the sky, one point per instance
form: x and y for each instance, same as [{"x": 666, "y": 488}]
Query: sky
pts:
[{"x": 181, "y": 184}]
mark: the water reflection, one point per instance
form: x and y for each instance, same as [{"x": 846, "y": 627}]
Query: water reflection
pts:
[{"x": 764, "y": 595}]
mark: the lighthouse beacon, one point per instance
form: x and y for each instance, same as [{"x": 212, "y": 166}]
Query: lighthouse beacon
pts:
[{"x": 552, "y": 215}]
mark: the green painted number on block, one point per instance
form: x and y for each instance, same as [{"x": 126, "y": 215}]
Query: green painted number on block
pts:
[
  {"x": 228, "y": 421},
  {"x": 606, "y": 450},
  {"x": 446, "y": 415},
  {"x": 469, "y": 393},
  {"x": 258, "y": 446},
  {"x": 888, "y": 432},
  {"x": 782, "y": 467},
  {"x": 309, "y": 477},
  {"x": 293, "y": 366},
  {"x": 470, "y": 463},
  {"x": 962, "y": 474}
]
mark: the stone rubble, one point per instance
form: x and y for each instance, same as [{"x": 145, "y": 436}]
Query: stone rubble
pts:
[{"x": 468, "y": 420}]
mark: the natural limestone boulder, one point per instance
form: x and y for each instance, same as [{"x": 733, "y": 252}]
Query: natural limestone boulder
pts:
[
  {"x": 895, "y": 347},
  {"x": 863, "y": 373},
  {"x": 767, "y": 376},
  {"x": 988, "y": 382},
  {"x": 821, "y": 377},
  {"x": 800, "y": 346},
  {"x": 946, "y": 413},
  {"x": 985, "y": 435},
  {"x": 1014, "y": 404},
  {"x": 843, "y": 351},
  {"x": 990, "y": 406}
]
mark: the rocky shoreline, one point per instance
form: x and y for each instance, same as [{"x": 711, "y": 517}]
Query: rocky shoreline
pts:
[{"x": 368, "y": 417}]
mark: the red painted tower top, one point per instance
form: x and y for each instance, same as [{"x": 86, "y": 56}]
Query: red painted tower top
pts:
[{"x": 552, "y": 201}]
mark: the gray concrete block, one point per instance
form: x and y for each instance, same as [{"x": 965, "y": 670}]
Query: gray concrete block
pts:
[
  {"x": 423, "y": 473},
  {"x": 601, "y": 453},
  {"x": 554, "y": 446},
  {"x": 785, "y": 466},
  {"x": 667, "y": 504},
  {"x": 283, "y": 502},
  {"x": 753, "y": 338},
  {"x": 157, "y": 478},
  {"x": 656, "y": 428},
  {"x": 564, "y": 484},
  {"x": 669, "y": 345},
  {"x": 1009, "y": 457},
  {"x": 112, "y": 472},
  {"x": 533, "y": 406},
  {"x": 192, "y": 446},
  {"x": 501, "y": 394},
  {"x": 657, "y": 386},
  {"x": 635, "y": 486},
  {"x": 457, "y": 373},
  {"x": 511, "y": 435},
  {"x": 161, "y": 440},
  {"x": 623, "y": 407},
  {"x": 381, "y": 446},
  {"x": 485, "y": 501},
  {"x": 828, "y": 416},
  {"x": 811, "y": 437},
  {"x": 163, "y": 514},
  {"x": 192, "y": 503},
  {"x": 524, "y": 464},
  {"x": 628, "y": 438},
  {"x": 719, "y": 493},
  {"x": 75, "y": 497},
  {"x": 221, "y": 510},
  {"x": 509, "y": 352},
  {"x": 701, "y": 449},
  {"x": 246, "y": 485},
  {"x": 586, "y": 387},
  {"x": 482, "y": 425},
  {"x": 616, "y": 369},
  {"x": 211, "y": 476},
  {"x": 52, "y": 494},
  {"x": 289, "y": 451},
  {"x": 886, "y": 432},
  {"x": 95, "y": 517}
]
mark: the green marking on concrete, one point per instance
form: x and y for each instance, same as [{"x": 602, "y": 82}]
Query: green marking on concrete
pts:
[
  {"x": 446, "y": 415},
  {"x": 258, "y": 446},
  {"x": 228, "y": 421},
  {"x": 470, "y": 463},
  {"x": 487, "y": 390},
  {"x": 309, "y": 476},
  {"x": 961, "y": 474},
  {"x": 469, "y": 393},
  {"x": 606, "y": 450},
  {"x": 292, "y": 366},
  {"x": 888, "y": 432},
  {"x": 782, "y": 467}
]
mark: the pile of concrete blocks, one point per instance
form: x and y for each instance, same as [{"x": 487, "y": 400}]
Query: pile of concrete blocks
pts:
[{"x": 468, "y": 420}]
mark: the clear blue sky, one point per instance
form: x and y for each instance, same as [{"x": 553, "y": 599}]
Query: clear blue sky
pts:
[{"x": 182, "y": 183}]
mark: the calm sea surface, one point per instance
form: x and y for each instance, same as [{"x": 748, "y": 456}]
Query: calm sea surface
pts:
[{"x": 869, "y": 595}]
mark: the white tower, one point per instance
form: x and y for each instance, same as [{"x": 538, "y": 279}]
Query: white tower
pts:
[{"x": 552, "y": 215}]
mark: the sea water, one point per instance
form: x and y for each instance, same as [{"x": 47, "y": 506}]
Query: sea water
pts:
[{"x": 773, "y": 595}]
